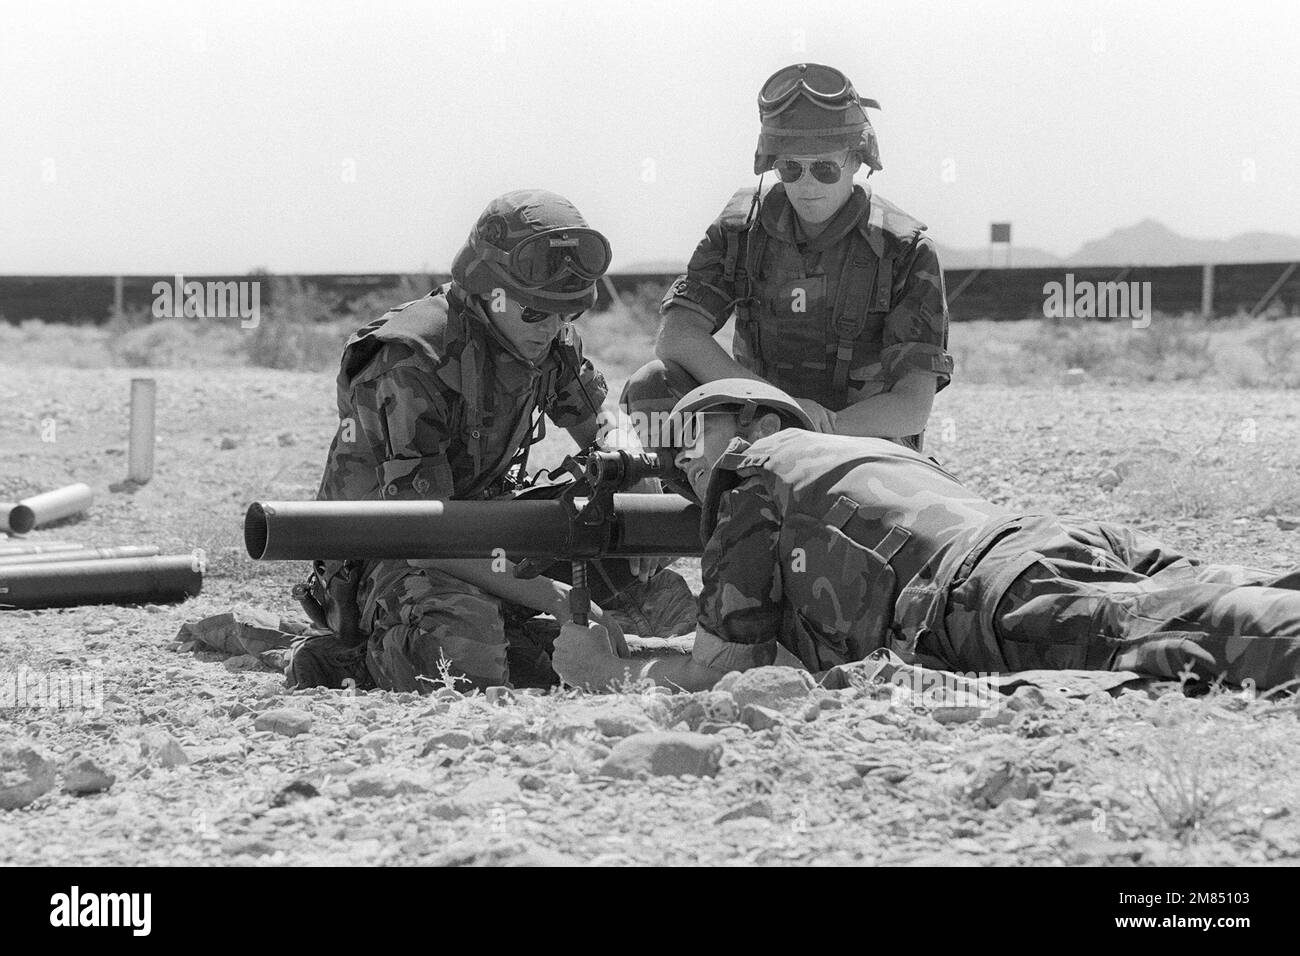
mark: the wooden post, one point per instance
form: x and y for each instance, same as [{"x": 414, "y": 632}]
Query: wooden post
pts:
[{"x": 1207, "y": 291}]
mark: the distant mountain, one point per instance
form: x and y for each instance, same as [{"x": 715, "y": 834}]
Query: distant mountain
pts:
[{"x": 1150, "y": 243}]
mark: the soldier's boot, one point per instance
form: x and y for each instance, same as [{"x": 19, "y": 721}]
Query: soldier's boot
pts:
[
  {"x": 528, "y": 650},
  {"x": 324, "y": 660},
  {"x": 661, "y": 607}
]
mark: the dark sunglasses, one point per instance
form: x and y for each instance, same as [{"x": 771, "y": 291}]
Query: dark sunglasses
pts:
[
  {"x": 823, "y": 170},
  {"x": 532, "y": 316}
]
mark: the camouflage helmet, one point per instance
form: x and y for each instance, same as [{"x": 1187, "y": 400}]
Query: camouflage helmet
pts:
[
  {"x": 537, "y": 247},
  {"x": 749, "y": 396},
  {"x": 807, "y": 109}
]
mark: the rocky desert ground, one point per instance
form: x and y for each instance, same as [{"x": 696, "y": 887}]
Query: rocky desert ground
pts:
[{"x": 201, "y": 757}]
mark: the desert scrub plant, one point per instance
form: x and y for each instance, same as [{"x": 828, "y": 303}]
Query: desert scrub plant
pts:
[
  {"x": 299, "y": 330},
  {"x": 374, "y": 304},
  {"x": 1173, "y": 348},
  {"x": 1196, "y": 774},
  {"x": 1279, "y": 347},
  {"x": 446, "y": 680}
]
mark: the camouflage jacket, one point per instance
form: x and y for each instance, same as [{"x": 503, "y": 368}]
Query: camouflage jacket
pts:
[
  {"x": 822, "y": 544},
  {"x": 433, "y": 404},
  {"x": 837, "y": 318}
]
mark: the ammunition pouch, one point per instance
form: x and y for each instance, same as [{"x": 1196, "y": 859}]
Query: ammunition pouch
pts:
[{"x": 329, "y": 596}]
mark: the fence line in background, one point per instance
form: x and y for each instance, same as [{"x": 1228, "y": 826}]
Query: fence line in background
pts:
[{"x": 986, "y": 293}]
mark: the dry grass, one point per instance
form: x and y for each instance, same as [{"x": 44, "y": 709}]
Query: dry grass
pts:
[{"x": 306, "y": 327}]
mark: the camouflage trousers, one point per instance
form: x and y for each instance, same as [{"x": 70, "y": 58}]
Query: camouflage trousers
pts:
[
  {"x": 418, "y": 617},
  {"x": 1048, "y": 592}
]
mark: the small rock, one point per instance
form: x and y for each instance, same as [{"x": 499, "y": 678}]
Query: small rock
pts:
[
  {"x": 712, "y": 727},
  {"x": 246, "y": 844},
  {"x": 204, "y": 692},
  {"x": 285, "y": 439},
  {"x": 487, "y": 791},
  {"x": 437, "y": 710},
  {"x": 241, "y": 662},
  {"x": 619, "y": 724},
  {"x": 955, "y": 715},
  {"x": 531, "y": 781},
  {"x": 447, "y": 740},
  {"x": 1109, "y": 479},
  {"x": 1026, "y": 698},
  {"x": 25, "y": 774},
  {"x": 237, "y": 710},
  {"x": 163, "y": 747},
  {"x": 767, "y": 686},
  {"x": 354, "y": 731},
  {"x": 508, "y": 727},
  {"x": 754, "y": 808},
  {"x": 294, "y": 792},
  {"x": 998, "y": 779},
  {"x": 1287, "y": 522},
  {"x": 187, "y": 647},
  {"x": 227, "y": 443},
  {"x": 284, "y": 720},
  {"x": 448, "y": 694},
  {"x": 664, "y": 754},
  {"x": 811, "y": 711},
  {"x": 214, "y": 753},
  {"x": 1073, "y": 377},
  {"x": 386, "y": 781},
  {"x": 530, "y": 755},
  {"x": 499, "y": 696},
  {"x": 719, "y": 706},
  {"x": 848, "y": 779},
  {"x": 756, "y": 717},
  {"x": 82, "y": 775},
  {"x": 1002, "y": 717},
  {"x": 377, "y": 741}
]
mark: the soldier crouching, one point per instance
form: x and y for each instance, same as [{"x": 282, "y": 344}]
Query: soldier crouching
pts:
[{"x": 441, "y": 398}]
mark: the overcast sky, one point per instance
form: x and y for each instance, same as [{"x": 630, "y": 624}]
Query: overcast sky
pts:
[{"x": 349, "y": 137}]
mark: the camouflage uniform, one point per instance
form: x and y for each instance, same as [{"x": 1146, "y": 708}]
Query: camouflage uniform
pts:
[
  {"x": 432, "y": 404},
  {"x": 833, "y": 547},
  {"x": 838, "y": 318}
]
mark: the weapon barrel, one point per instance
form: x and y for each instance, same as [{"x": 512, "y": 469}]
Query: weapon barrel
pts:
[
  {"x": 47, "y": 507},
  {"x": 80, "y": 554},
  {"x": 151, "y": 580},
  {"x": 643, "y": 524},
  {"x": 21, "y": 546}
]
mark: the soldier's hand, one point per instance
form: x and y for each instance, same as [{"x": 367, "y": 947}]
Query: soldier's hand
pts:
[
  {"x": 642, "y": 568},
  {"x": 584, "y": 657},
  {"x": 617, "y": 642},
  {"x": 823, "y": 418}
]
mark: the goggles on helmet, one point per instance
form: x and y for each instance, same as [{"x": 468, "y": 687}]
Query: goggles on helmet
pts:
[
  {"x": 821, "y": 84},
  {"x": 542, "y": 259}
]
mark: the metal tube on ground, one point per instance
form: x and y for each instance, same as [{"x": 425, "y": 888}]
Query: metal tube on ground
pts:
[
  {"x": 153, "y": 580},
  {"x": 50, "y": 506},
  {"x": 140, "y": 456},
  {"x": 22, "y": 546},
  {"x": 643, "y": 524},
  {"x": 6, "y": 510},
  {"x": 81, "y": 554}
]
